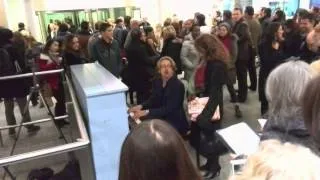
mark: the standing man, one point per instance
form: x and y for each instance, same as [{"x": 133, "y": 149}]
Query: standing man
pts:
[
  {"x": 306, "y": 24},
  {"x": 255, "y": 35},
  {"x": 106, "y": 50},
  {"x": 134, "y": 24},
  {"x": 265, "y": 20},
  {"x": 118, "y": 32},
  {"x": 242, "y": 30}
]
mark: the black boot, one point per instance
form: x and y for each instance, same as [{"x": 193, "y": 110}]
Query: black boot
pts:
[
  {"x": 33, "y": 128},
  {"x": 238, "y": 113}
]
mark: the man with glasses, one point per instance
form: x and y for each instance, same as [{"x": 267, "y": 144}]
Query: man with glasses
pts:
[{"x": 106, "y": 50}]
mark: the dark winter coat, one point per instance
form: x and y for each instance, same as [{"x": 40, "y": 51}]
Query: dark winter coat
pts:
[
  {"x": 166, "y": 103},
  {"x": 16, "y": 88},
  {"x": 233, "y": 50},
  {"x": 269, "y": 59},
  {"x": 118, "y": 34},
  {"x": 291, "y": 130},
  {"x": 306, "y": 54},
  {"x": 292, "y": 44},
  {"x": 141, "y": 67},
  {"x": 172, "y": 48},
  {"x": 241, "y": 29},
  {"x": 264, "y": 25},
  {"x": 84, "y": 37},
  {"x": 108, "y": 55},
  {"x": 73, "y": 58},
  {"x": 215, "y": 78}
]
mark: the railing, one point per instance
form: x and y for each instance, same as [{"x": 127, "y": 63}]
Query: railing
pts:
[{"x": 80, "y": 143}]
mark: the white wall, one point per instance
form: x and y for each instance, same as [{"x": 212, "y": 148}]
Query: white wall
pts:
[
  {"x": 47, "y": 5},
  {"x": 3, "y": 16},
  {"x": 305, "y": 4},
  {"x": 15, "y": 13}
]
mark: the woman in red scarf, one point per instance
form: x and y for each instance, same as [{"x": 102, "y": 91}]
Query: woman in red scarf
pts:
[{"x": 230, "y": 42}]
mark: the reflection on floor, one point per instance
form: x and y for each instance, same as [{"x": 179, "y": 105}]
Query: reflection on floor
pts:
[{"x": 48, "y": 137}]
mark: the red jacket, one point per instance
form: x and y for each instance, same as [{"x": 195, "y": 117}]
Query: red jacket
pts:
[{"x": 45, "y": 64}]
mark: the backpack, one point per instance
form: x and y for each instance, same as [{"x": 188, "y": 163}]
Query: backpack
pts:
[
  {"x": 40, "y": 174},
  {"x": 6, "y": 66},
  {"x": 70, "y": 172}
]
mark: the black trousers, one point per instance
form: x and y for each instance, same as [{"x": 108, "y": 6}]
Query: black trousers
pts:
[
  {"x": 232, "y": 92},
  {"x": 60, "y": 108},
  {"x": 252, "y": 70},
  {"x": 241, "y": 66},
  {"x": 264, "y": 107}
]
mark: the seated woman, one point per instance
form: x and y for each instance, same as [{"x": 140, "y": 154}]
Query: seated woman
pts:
[
  {"x": 154, "y": 150},
  {"x": 166, "y": 101},
  {"x": 284, "y": 89},
  {"x": 275, "y": 161}
]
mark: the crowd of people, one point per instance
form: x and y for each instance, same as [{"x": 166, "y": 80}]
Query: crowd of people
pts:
[{"x": 148, "y": 60}]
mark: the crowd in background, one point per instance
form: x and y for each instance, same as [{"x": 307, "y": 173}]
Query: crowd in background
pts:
[{"x": 208, "y": 57}]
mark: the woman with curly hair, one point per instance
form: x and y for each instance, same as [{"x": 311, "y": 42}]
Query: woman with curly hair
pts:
[{"x": 215, "y": 56}]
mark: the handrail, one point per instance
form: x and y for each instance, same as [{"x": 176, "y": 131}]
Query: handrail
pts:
[
  {"x": 25, "y": 75},
  {"x": 82, "y": 142},
  {"x": 35, "y": 122},
  {"x": 80, "y": 121}
]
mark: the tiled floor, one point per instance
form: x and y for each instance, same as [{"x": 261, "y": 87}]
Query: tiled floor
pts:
[{"x": 48, "y": 137}]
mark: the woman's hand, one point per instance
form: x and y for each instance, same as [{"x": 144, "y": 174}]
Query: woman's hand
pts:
[
  {"x": 134, "y": 109},
  {"x": 140, "y": 113},
  {"x": 275, "y": 45}
]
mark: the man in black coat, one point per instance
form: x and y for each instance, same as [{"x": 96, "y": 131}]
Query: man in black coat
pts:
[
  {"x": 265, "y": 20},
  {"x": 17, "y": 89},
  {"x": 306, "y": 25},
  {"x": 106, "y": 50},
  {"x": 241, "y": 28}
]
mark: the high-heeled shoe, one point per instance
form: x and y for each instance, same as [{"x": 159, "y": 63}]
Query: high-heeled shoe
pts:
[{"x": 212, "y": 174}]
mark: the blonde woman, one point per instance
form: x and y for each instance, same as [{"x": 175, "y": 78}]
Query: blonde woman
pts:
[
  {"x": 158, "y": 36},
  {"x": 277, "y": 161},
  {"x": 172, "y": 46}
]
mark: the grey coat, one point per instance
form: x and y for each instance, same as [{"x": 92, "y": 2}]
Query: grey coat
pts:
[
  {"x": 189, "y": 60},
  {"x": 232, "y": 73}
]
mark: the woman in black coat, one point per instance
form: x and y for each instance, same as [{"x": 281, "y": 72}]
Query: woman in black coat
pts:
[
  {"x": 166, "y": 101},
  {"x": 213, "y": 52},
  {"x": 140, "y": 66},
  {"x": 172, "y": 46},
  {"x": 72, "y": 53},
  {"x": 271, "y": 55}
]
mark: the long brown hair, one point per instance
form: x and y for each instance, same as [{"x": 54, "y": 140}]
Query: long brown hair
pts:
[
  {"x": 211, "y": 48},
  {"x": 68, "y": 43},
  {"x": 154, "y": 150}
]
